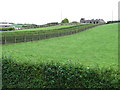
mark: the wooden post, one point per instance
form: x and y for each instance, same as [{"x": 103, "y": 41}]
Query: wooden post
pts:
[
  {"x": 39, "y": 36},
  {"x": 25, "y": 38},
  {"x": 45, "y": 36},
  {"x": 15, "y": 39},
  {"x": 5, "y": 39},
  {"x": 32, "y": 37}
]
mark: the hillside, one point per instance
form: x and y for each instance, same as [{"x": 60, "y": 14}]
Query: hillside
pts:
[{"x": 96, "y": 46}]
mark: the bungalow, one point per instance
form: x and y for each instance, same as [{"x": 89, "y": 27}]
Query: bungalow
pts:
[{"x": 5, "y": 24}]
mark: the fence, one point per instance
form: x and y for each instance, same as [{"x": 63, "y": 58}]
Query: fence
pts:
[{"x": 26, "y": 38}]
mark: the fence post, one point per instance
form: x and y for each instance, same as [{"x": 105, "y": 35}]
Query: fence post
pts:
[
  {"x": 15, "y": 38},
  {"x": 31, "y": 37},
  {"x": 45, "y": 36},
  {"x": 25, "y": 38},
  {"x": 5, "y": 39},
  {"x": 38, "y": 36}
]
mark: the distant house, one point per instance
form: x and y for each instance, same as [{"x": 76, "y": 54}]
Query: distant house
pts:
[
  {"x": 96, "y": 21},
  {"x": 5, "y": 24}
]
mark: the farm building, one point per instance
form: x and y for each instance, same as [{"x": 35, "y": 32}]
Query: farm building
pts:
[
  {"x": 96, "y": 21},
  {"x": 5, "y": 24}
]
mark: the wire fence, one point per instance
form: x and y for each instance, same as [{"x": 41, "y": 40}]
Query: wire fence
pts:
[{"x": 35, "y": 37}]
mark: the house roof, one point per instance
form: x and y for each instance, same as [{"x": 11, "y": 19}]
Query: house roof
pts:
[{"x": 5, "y": 24}]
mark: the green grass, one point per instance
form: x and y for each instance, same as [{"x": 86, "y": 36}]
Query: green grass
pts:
[
  {"x": 91, "y": 47},
  {"x": 18, "y": 26},
  {"x": 46, "y": 30}
]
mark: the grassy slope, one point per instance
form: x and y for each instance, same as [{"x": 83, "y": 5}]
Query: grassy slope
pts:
[
  {"x": 45, "y": 28},
  {"x": 94, "y": 46},
  {"x": 18, "y": 26}
]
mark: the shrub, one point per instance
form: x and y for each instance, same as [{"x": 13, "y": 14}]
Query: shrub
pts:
[
  {"x": 11, "y": 28},
  {"x": 0, "y": 28},
  {"x": 65, "y": 20},
  {"x": 75, "y": 22},
  {"x": 30, "y": 26},
  {"x": 56, "y": 75},
  {"x": 7, "y": 28}
]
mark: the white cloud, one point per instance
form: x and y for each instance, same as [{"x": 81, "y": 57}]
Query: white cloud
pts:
[{"x": 44, "y": 11}]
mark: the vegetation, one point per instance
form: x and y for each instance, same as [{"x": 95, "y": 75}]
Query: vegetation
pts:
[
  {"x": 55, "y": 75},
  {"x": 17, "y": 25},
  {"x": 46, "y": 30},
  {"x": 108, "y": 22},
  {"x": 75, "y": 22},
  {"x": 29, "y": 26},
  {"x": 94, "y": 46},
  {"x": 65, "y": 20},
  {"x": 7, "y": 28},
  {"x": 87, "y": 59}
]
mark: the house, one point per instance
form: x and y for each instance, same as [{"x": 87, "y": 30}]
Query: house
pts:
[
  {"x": 92, "y": 21},
  {"x": 5, "y": 24}
]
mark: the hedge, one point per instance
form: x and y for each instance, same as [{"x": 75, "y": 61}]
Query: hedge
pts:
[
  {"x": 7, "y": 28},
  {"x": 56, "y": 75}
]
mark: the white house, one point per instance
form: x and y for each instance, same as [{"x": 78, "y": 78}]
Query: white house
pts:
[{"x": 5, "y": 24}]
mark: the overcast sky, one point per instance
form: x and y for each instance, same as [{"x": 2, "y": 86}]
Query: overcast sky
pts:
[{"x": 45, "y": 11}]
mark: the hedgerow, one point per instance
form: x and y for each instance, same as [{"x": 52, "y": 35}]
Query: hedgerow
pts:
[
  {"x": 22, "y": 33},
  {"x": 56, "y": 75},
  {"x": 7, "y": 28}
]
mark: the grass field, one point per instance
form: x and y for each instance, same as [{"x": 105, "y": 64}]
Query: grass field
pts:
[
  {"x": 17, "y": 26},
  {"x": 46, "y": 30},
  {"x": 91, "y": 47}
]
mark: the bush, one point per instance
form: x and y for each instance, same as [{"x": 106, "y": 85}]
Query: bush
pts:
[
  {"x": 30, "y": 26},
  {"x": 65, "y": 21},
  {"x": 75, "y": 22},
  {"x": 109, "y": 22},
  {"x": 0, "y": 28},
  {"x": 7, "y": 28},
  {"x": 55, "y": 75}
]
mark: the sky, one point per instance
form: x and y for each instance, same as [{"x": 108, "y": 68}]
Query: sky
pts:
[{"x": 46, "y": 11}]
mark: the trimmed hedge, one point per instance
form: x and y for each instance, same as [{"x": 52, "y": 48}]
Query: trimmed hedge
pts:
[
  {"x": 7, "y": 28},
  {"x": 56, "y": 75},
  {"x": 23, "y": 33}
]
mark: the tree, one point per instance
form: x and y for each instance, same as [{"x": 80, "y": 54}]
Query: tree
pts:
[{"x": 65, "y": 20}]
